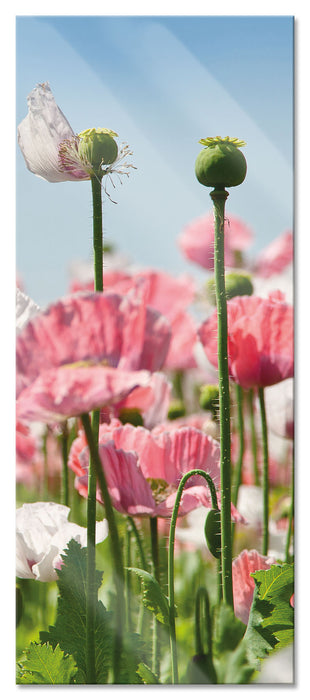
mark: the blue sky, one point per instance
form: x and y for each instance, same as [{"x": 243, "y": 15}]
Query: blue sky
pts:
[{"x": 161, "y": 83}]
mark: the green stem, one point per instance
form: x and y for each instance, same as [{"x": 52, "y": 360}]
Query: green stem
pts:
[
  {"x": 91, "y": 592},
  {"x": 97, "y": 233},
  {"x": 291, "y": 519},
  {"x": 156, "y": 572},
  {"x": 116, "y": 551},
  {"x": 253, "y": 436},
  {"x": 238, "y": 470},
  {"x": 173, "y": 647},
  {"x": 219, "y": 197},
  {"x": 143, "y": 566},
  {"x": 45, "y": 465},
  {"x": 202, "y": 597},
  {"x": 65, "y": 475},
  {"x": 265, "y": 471},
  {"x": 127, "y": 577}
]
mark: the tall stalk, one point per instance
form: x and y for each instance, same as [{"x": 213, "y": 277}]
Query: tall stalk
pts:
[
  {"x": 219, "y": 197},
  {"x": 265, "y": 471}
]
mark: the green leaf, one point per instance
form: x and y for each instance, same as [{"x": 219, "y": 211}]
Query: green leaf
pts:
[
  {"x": 152, "y": 595},
  {"x": 147, "y": 675},
  {"x": 271, "y": 621},
  {"x": 69, "y": 630},
  {"x": 44, "y": 665},
  {"x": 229, "y": 652},
  {"x": 228, "y": 630}
]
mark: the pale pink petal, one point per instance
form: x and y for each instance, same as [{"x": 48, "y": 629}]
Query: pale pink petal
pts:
[
  {"x": 260, "y": 340},
  {"x": 183, "y": 340},
  {"x": 152, "y": 401},
  {"x": 277, "y": 256},
  {"x": 197, "y": 240},
  {"x": 94, "y": 328},
  {"x": 243, "y": 583},
  {"x": 69, "y": 391}
]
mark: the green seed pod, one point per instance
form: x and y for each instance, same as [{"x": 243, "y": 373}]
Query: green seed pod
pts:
[
  {"x": 97, "y": 147},
  {"x": 220, "y": 164},
  {"x": 209, "y": 398},
  {"x": 176, "y": 410},
  {"x": 236, "y": 284},
  {"x": 213, "y": 532},
  {"x": 130, "y": 415}
]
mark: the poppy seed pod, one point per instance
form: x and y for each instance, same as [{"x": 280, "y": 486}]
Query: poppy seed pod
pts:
[
  {"x": 236, "y": 284},
  {"x": 97, "y": 147},
  {"x": 221, "y": 164}
]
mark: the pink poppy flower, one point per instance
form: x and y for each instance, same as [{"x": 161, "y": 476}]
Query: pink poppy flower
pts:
[
  {"x": 98, "y": 328},
  {"x": 158, "y": 459},
  {"x": 276, "y": 257},
  {"x": 26, "y": 454},
  {"x": 64, "y": 392},
  {"x": 167, "y": 294},
  {"x": 243, "y": 583},
  {"x": 50, "y": 147},
  {"x": 197, "y": 240},
  {"x": 260, "y": 340},
  {"x": 151, "y": 400}
]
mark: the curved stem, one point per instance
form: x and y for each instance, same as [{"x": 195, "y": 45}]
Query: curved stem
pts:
[
  {"x": 265, "y": 472},
  {"x": 116, "y": 551},
  {"x": 219, "y": 197},
  {"x": 253, "y": 436},
  {"x": 207, "y": 477}
]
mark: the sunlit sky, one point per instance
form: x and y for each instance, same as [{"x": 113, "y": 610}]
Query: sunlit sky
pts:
[{"x": 162, "y": 83}]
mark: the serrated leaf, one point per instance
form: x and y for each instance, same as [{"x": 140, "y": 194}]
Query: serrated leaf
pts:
[
  {"x": 69, "y": 630},
  {"x": 147, "y": 676},
  {"x": 44, "y": 665},
  {"x": 271, "y": 621},
  {"x": 152, "y": 595}
]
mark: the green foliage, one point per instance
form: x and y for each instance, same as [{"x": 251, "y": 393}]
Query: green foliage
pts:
[
  {"x": 69, "y": 630},
  {"x": 229, "y": 652},
  {"x": 45, "y": 665},
  {"x": 152, "y": 596},
  {"x": 147, "y": 676},
  {"x": 271, "y": 621}
]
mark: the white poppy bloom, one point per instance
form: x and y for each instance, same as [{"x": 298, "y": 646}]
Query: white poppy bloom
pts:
[
  {"x": 42, "y": 533},
  {"x": 54, "y": 152},
  {"x": 25, "y": 309}
]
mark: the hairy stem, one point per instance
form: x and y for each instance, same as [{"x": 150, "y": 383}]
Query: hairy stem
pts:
[{"x": 219, "y": 197}]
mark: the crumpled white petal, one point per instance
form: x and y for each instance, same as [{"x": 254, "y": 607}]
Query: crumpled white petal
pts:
[
  {"x": 42, "y": 533},
  {"x": 40, "y": 134},
  {"x": 25, "y": 309}
]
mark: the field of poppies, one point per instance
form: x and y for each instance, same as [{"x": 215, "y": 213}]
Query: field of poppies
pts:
[{"x": 154, "y": 442}]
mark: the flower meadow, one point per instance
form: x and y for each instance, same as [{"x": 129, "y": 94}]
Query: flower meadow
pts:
[{"x": 155, "y": 443}]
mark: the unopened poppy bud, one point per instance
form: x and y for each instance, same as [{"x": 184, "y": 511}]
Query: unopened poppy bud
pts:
[
  {"x": 98, "y": 148},
  {"x": 221, "y": 164},
  {"x": 209, "y": 398},
  {"x": 130, "y": 415},
  {"x": 176, "y": 410},
  {"x": 237, "y": 284}
]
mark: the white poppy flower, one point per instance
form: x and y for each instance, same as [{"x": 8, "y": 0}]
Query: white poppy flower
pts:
[
  {"x": 25, "y": 309},
  {"x": 42, "y": 533},
  {"x": 54, "y": 152}
]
